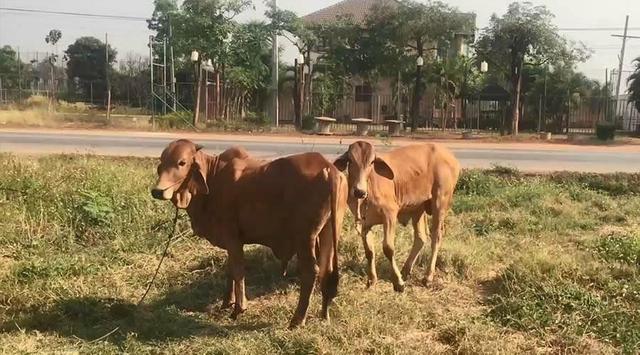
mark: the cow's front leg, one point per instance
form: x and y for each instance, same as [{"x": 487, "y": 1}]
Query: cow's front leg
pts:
[
  {"x": 236, "y": 270},
  {"x": 388, "y": 246},
  {"x": 369, "y": 253},
  {"x": 229, "y": 298}
]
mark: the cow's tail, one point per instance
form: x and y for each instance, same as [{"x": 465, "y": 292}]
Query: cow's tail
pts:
[{"x": 333, "y": 278}]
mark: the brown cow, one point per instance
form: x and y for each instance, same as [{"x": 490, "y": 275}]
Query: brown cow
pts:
[
  {"x": 404, "y": 185},
  {"x": 289, "y": 205}
]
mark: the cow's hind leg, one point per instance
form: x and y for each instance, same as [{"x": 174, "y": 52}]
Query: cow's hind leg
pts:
[
  {"x": 388, "y": 246},
  {"x": 328, "y": 276},
  {"x": 308, "y": 269},
  {"x": 439, "y": 206},
  {"x": 236, "y": 266},
  {"x": 419, "y": 239}
]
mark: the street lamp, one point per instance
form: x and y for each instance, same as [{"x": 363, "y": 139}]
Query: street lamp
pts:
[
  {"x": 415, "y": 104},
  {"x": 298, "y": 87},
  {"x": 484, "y": 67},
  {"x": 195, "y": 56}
]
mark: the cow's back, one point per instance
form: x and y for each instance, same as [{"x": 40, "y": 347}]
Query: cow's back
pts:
[
  {"x": 417, "y": 169},
  {"x": 275, "y": 203}
]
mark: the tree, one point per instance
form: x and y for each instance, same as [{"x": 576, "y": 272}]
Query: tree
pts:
[
  {"x": 449, "y": 80},
  {"x": 564, "y": 90},
  {"x": 130, "y": 82},
  {"x": 9, "y": 68},
  {"x": 247, "y": 69},
  {"x": 160, "y": 21},
  {"x": 634, "y": 85},
  {"x": 205, "y": 26},
  {"x": 305, "y": 38},
  {"x": 52, "y": 38},
  {"x": 524, "y": 34},
  {"x": 87, "y": 64},
  {"x": 411, "y": 30}
]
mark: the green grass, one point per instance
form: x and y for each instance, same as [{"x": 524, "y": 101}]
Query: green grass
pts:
[{"x": 530, "y": 264}]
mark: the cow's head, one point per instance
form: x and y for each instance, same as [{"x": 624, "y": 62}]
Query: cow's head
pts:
[
  {"x": 182, "y": 173},
  {"x": 361, "y": 160}
]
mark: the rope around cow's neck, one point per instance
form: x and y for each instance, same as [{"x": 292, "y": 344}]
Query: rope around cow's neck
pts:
[
  {"x": 153, "y": 279},
  {"x": 164, "y": 255}
]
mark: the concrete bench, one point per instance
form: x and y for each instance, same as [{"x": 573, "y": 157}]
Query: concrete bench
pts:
[
  {"x": 323, "y": 125},
  {"x": 394, "y": 127},
  {"x": 362, "y": 126}
]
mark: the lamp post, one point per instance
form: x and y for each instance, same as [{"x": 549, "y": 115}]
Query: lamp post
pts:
[
  {"x": 298, "y": 88},
  {"x": 195, "y": 59},
  {"x": 417, "y": 93},
  {"x": 484, "y": 67}
]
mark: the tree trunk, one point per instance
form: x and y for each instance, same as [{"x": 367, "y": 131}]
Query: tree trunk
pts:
[
  {"x": 516, "y": 81},
  {"x": 417, "y": 90},
  {"x": 308, "y": 86}
]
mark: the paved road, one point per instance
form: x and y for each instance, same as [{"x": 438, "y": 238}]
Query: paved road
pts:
[{"x": 602, "y": 160}]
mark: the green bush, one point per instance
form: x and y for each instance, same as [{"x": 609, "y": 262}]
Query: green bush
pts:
[
  {"x": 308, "y": 123},
  {"x": 180, "y": 119},
  {"x": 257, "y": 119},
  {"x": 605, "y": 131}
]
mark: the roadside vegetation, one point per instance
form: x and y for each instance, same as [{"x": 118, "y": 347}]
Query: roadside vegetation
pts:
[{"x": 544, "y": 264}]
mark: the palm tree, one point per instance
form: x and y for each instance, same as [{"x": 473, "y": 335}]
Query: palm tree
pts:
[
  {"x": 634, "y": 85},
  {"x": 447, "y": 78}
]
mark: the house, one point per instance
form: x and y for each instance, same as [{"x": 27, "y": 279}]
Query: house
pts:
[{"x": 377, "y": 100}]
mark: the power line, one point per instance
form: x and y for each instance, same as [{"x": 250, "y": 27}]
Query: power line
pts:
[
  {"x": 596, "y": 29},
  {"x": 135, "y": 18},
  {"x": 81, "y": 14}
]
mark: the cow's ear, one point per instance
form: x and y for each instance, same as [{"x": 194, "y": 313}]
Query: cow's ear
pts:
[
  {"x": 200, "y": 172},
  {"x": 342, "y": 162},
  {"x": 199, "y": 147},
  {"x": 382, "y": 168}
]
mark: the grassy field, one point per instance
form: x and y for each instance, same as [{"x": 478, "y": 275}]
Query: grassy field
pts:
[{"x": 533, "y": 264}]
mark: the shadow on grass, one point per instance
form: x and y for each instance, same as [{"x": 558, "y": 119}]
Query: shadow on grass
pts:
[{"x": 178, "y": 314}]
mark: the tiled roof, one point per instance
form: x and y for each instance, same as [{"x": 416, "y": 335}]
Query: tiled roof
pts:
[{"x": 356, "y": 9}]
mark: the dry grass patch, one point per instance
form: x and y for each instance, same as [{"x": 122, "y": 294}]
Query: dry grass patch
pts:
[{"x": 530, "y": 264}]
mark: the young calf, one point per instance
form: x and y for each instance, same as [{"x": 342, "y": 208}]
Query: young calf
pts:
[
  {"x": 290, "y": 205},
  {"x": 404, "y": 185}
]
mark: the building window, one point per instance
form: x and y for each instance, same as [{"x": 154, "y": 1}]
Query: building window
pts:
[{"x": 363, "y": 93}]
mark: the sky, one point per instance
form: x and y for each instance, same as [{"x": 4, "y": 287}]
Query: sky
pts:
[{"x": 27, "y": 31}]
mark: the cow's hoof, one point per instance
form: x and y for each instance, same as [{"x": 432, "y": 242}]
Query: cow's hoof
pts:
[
  {"x": 398, "y": 287},
  {"x": 371, "y": 283},
  {"x": 296, "y": 323},
  {"x": 405, "y": 274},
  {"x": 210, "y": 309},
  {"x": 429, "y": 282},
  {"x": 237, "y": 311}
]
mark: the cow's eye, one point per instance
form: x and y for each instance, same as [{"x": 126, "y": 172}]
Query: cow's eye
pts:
[{"x": 182, "y": 163}]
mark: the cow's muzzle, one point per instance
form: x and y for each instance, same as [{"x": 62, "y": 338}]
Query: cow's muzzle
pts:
[
  {"x": 157, "y": 194},
  {"x": 359, "y": 194}
]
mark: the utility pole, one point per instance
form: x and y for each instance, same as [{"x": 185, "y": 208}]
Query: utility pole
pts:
[
  {"x": 274, "y": 74},
  {"x": 624, "y": 37},
  {"x": 164, "y": 76},
  {"x": 152, "y": 94},
  {"x": 106, "y": 71},
  {"x": 19, "y": 77},
  {"x": 605, "y": 99},
  {"x": 173, "y": 69}
]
